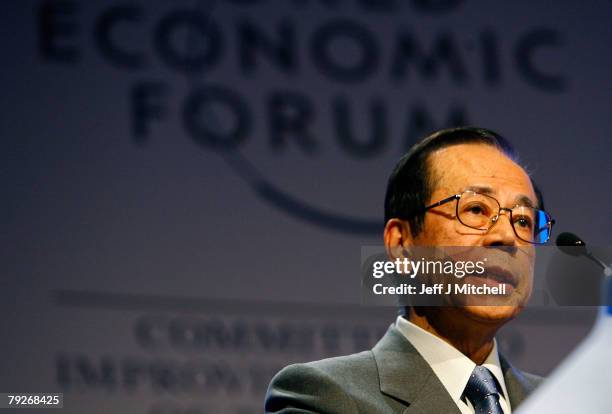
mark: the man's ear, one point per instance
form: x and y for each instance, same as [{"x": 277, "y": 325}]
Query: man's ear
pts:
[{"x": 398, "y": 238}]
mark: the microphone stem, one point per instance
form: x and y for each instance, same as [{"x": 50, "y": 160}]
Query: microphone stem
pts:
[{"x": 605, "y": 267}]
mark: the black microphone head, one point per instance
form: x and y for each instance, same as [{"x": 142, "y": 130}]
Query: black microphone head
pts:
[{"x": 571, "y": 244}]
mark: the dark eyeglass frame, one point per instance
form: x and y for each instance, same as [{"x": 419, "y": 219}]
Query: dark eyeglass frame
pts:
[{"x": 549, "y": 223}]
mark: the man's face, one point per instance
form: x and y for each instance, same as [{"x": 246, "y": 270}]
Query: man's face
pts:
[{"x": 457, "y": 168}]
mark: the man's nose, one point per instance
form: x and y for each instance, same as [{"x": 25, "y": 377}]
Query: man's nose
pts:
[{"x": 501, "y": 233}]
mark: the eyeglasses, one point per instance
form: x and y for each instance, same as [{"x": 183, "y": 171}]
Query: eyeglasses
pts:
[{"x": 481, "y": 212}]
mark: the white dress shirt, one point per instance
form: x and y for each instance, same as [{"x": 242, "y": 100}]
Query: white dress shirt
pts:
[{"x": 451, "y": 366}]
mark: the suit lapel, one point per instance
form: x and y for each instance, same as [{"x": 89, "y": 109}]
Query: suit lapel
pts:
[
  {"x": 517, "y": 385},
  {"x": 406, "y": 376}
]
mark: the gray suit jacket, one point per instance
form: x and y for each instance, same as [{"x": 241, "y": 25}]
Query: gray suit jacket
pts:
[{"x": 392, "y": 378}]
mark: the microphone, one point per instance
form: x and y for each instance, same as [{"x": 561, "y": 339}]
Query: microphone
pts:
[
  {"x": 566, "y": 390},
  {"x": 573, "y": 245}
]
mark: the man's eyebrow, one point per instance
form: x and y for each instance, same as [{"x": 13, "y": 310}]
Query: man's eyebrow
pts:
[
  {"x": 521, "y": 199},
  {"x": 480, "y": 189}
]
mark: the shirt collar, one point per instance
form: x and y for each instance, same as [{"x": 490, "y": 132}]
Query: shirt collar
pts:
[{"x": 452, "y": 367}]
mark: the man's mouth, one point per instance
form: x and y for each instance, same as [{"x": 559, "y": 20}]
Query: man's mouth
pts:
[{"x": 499, "y": 275}]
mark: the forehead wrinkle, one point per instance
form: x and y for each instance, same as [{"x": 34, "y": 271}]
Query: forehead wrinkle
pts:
[{"x": 438, "y": 174}]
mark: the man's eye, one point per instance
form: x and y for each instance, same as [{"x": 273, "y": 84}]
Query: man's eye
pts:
[
  {"x": 524, "y": 222},
  {"x": 476, "y": 209}
]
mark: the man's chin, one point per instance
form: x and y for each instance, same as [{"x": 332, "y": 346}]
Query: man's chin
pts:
[{"x": 492, "y": 313}]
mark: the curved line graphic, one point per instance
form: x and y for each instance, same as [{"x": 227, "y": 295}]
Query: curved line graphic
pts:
[
  {"x": 295, "y": 207},
  {"x": 315, "y": 215}
]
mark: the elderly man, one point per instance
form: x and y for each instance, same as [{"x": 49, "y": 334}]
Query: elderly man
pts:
[{"x": 457, "y": 187}]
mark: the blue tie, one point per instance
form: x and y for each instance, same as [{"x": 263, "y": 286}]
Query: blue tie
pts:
[{"x": 482, "y": 392}]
